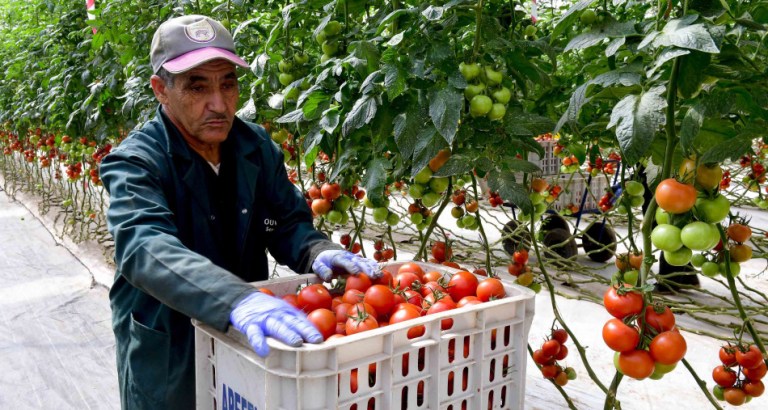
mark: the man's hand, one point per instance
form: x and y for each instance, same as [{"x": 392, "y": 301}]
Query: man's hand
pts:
[
  {"x": 328, "y": 261},
  {"x": 260, "y": 315}
]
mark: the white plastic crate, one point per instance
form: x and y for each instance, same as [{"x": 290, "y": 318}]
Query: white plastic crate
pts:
[
  {"x": 479, "y": 362},
  {"x": 573, "y": 191},
  {"x": 549, "y": 163}
]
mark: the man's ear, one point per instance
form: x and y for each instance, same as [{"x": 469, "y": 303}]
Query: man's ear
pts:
[{"x": 159, "y": 88}]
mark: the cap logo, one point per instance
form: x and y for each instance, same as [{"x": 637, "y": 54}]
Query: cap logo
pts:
[{"x": 200, "y": 32}]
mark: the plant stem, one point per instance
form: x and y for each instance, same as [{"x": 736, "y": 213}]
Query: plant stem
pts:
[
  {"x": 610, "y": 398},
  {"x": 482, "y": 230},
  {"x": 421, "y": 254},
  {"x": 478, "y": 29},
  {"x": 702, "y": 385}
]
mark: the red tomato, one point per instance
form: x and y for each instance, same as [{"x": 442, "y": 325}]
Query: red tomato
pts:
[
  {"x": 355, "y": 325},
  {"x": 451, "y": 264},
  {"x": 360, "y": 282},
  {"x": 353, "y": 296},
  {"x": 563, "y": 353},
  {"x": 660, "y": 321},
  {"x": 291, "y": 299},
  {"x": 405, "y": 280},
  {"x": 313, "y": 297},
  {"x": 381, "y": 298},
  {"x": 756, "y": 373},
  {"x": 490, "y": 289},
  {"x": 432, "y": 276},
  {"x": 560, "y": 335},
  {"x": 636, "y": 364},
  {"x": 413, "y": 297},
  {"x": 723, "y": 376},
  {"x": 336, "y": 301},
  {"x": 468, "y": 301},
  {"x": 739, "y": 232},
  {"x": 405, "y": 313},
  {"x": 540, "y": 358},
  {"x": 342, "y": 311},
  {"x": 341, "y": 330},
  {"x": 550, "y": 348},
  {"x": 431, "y": 287},
  {"x": 515, "y": 269},
  {"x": 668, "y": 347},
  {"x": 356, "y": 310},
  {"x": 549, "y": 371},
  {"x": 675, "y": 197},
  {"x": 411, "y": 267},
  {"x": 324, "y": 321},
  {"x": 620, "y": 337},
  {"x": 728, "y": 355},
  {"x": 385, "y": 279},
  {"x": 441, "y": 306},
  {"x": 754, "y": 388},
  {"x": 462, "y": 284},
  {"x": 750, "y": 358},
  {"x": 266, "y": 291},
  {"x": 734, "y": 396},
  {"x": 520, "y": 257},
  {"x": 621, "y": 306}
]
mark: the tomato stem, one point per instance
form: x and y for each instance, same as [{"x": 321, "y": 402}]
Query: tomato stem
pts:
[
  {"x": 702, "y": 385},
  {"x": 610, "y": 398},
  {"x": 421, "y": 254}
]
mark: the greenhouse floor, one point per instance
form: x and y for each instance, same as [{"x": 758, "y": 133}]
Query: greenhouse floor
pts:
[{"x": 57, "y": 347}]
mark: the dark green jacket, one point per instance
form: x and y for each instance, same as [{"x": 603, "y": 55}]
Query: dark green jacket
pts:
[{"x": 160, "y": 219}]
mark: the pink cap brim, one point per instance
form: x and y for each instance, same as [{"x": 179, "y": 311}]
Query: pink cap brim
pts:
[{"x": 194, "y": 58}]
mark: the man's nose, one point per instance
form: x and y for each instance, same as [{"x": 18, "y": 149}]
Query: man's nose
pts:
[{"x": 217, "y": 101}]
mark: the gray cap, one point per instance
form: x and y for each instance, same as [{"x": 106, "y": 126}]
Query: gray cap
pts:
[{"x": 185, "y": 42}]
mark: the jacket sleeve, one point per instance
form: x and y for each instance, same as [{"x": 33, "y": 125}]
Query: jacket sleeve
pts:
[
  {"x": 297, "y": 241},
  {"x": 148, "y": 252}
]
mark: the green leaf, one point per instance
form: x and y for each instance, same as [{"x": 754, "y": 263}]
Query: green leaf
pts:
[
  {"x": 599, "y": 33},
  {"x": 433, "y": 13},
  {"x": 732, "y": 148},
  {"x": 666, "y": 55},
  {"x": 519, "y": 122},
  {"x": 330, "y": 120},
  {"x": 428, "y": 143},
  {"x": 569, "y": 18},
  {"x": 614, "y": 46},
  {"x": 375, "y": 178},
  {"x": 681, "y": 33},
  {"x": 692, "y": 73},
  {"x": 457, "y": 164},
  {"x": 521, "y": 165},
  {"x": 313, "y": 105},
  {"x": 637, "y": 118},
  {"x": 407, "y": 128},
  {"x": 362, "y": 113},
  {"x": 509, "y": 190},
  {"x": 445, "y": 110},
  {"x": 291, "y": 117},
  {"x": 394, "y": 80}
]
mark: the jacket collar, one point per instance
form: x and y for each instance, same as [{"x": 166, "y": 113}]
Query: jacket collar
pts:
[{"x": 245, "y": 145}]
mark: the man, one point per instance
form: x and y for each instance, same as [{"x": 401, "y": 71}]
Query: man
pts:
[{"x": 196, "y": 197}]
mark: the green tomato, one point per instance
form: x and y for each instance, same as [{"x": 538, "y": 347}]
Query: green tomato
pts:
[
  {"x": 588, "y": 17},
  {"x": 417, "y": 218},
  {"x": 332, "y": 28},
  {"x": 735, "y": 268},
  {"x": 699, "y": 236},
  {"x": 530, "y": 30},
  {"x": 324, "y": 58},
  {"x": 492, "y": 76},
  {"x": 536, "y": 288},
  {"x": 472, "y": 90},
  {"x": 285, "y": 79},
  {"x": 630, "y": 276},
  {"x": 430, "y": 199},
  {"x": 717, "y": 391},
  {"x": 712, "y": 210},
  {"x": 469, "y": 221},
  {"x": 698, "y": 259},
  {"x": 762, "y": 203},
  {"x": 457, "y": 212},
  {"x": 502, "y": 95},
  {"x": 664, "y": 368},
  {"x": 439, "y": 184},
  {"x": 285, "y": 66},
  {"x": 380, "y": 214},
  {"x": 416, "y": 191},
  {"x": 634, "y": 188},
  {"x": 342, "y": 203},
  {"x": 469, "y": 71},
  {"x": 393, "y": 219},
  {"x": 460, "y": 223},
  {"x": 368, "y": 203},
  {"x": 300, "y": 58},
  {"x": 333, "y": 216},
  {"x": 710, "y": 269},
  {"x": 539, "y": 209},
  {"x": 656, "y": 375},
  {"x": 320, "y": 38},
  {"x": 666, "y": 238},
  {"x": 330, "y": 47},
  {"x": 662, "y": 216},
  {"x": 680, "y": 257},
  {"x": 616, "y": 362},
  {"x": 497, "y": 112},
  {"x": 480, "y": 105},
  {"x": 423, "y": 176},
  {"x": 344, "y": 218},
  {"x": 536, "y": 198},
  {"x": 280, "y": 137}
]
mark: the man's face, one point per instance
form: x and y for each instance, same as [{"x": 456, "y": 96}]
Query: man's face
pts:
[{"x": 202, "y": 101}]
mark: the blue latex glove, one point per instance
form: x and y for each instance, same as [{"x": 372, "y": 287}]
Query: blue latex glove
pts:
[
  {"x": 332, "y": 260},
  {"x": 260, "y": 315}
]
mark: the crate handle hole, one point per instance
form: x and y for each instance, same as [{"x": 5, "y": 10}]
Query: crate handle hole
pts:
[
  {"x": 404, "y": 398},
  {"x": 451, "y": 350},
  {"x": 505, "y": 366},
  {"x": 490, "y": 400},
  {"x": 420, "y": 394},
  {"x": 404, "y": 367},
  {"x": 503, "y": 396},
  {"x": 466, "y": 346},
  {"x": 493, "y": 370},
  {"x": 507, "y": 335},
  {"x": 422, "y": 359},
  {"x": 450, "y": 383},
  {"x": 372, "y": 374},
  {"x": 465, "y": 379}
]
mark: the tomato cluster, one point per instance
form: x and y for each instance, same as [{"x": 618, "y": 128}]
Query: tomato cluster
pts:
[
  {"x": 495, "y": 199},
  {"x": 713, "y": 263},
  {"x": 686, "y": 216},
  {"x": 644, "y": 337},
  {"x": 570, "y": 164},
  {"x": 428, "y": 189},
  {"x": 292, "y": 69},
  {"x": 357, "y": 303},
  {"x": 346, "y": 241},
  {"x": 520, "y": 269},
  {"x": 328, "y": 38},
  {"x": 328, "y": 201},
  {"x": 628, "y": 265},
  {"x": 600, "y": 165},
  {"x": 739, "y": 378},
  {"x": 382, "y": 253},
  {"x": 486, "y": 94},
  {"x": 441, "y": 252},
  {"x": 464, "y": 210},
  {"x": 632, "y": 196},
  {"x": 552, "y": 350}
]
